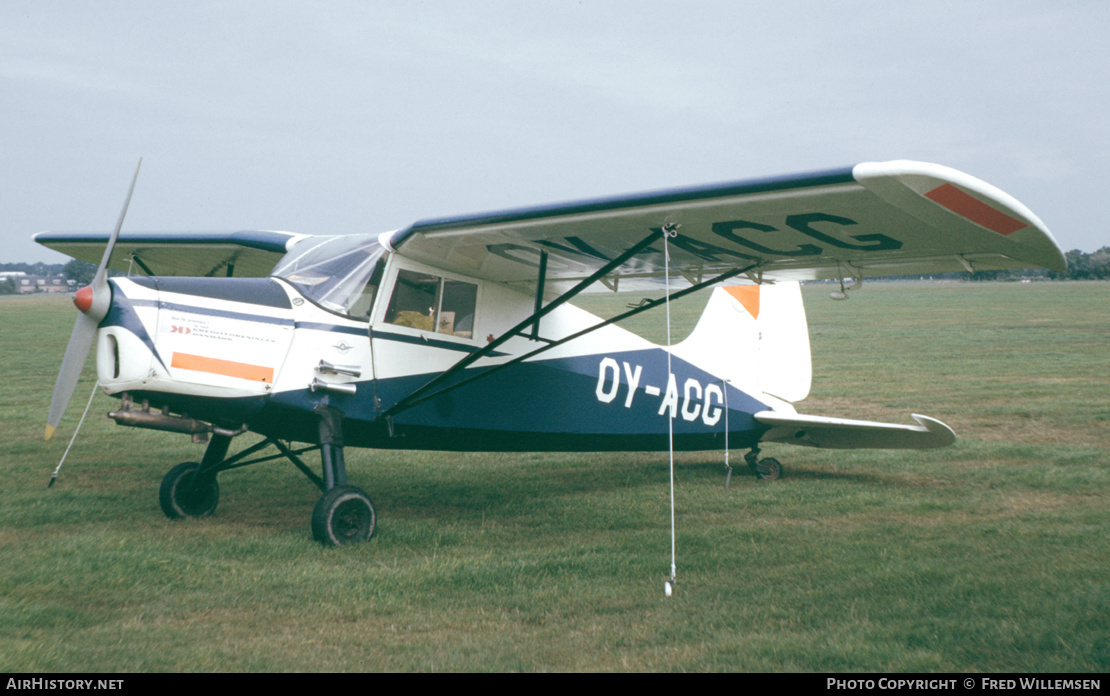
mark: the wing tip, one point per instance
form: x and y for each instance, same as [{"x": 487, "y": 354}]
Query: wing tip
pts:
[
  {"x": 942, "y": 435},
  {"x": 903, "y": 183}
]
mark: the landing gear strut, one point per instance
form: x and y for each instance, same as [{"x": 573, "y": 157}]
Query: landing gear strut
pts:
[
  {"x": 767, "y": 469},
  {"x": 343, "y": 515}
]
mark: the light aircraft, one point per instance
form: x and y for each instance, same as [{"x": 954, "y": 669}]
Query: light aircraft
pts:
[{"x": 457, "y": 333}]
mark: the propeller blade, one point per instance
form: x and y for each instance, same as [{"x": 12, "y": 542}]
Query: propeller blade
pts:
[
  {"x": 102, "y": 271},
  {"x": 84, "y": 331}
]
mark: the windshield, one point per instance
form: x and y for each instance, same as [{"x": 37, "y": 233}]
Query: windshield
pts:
[{"x": 341, "y": 274}]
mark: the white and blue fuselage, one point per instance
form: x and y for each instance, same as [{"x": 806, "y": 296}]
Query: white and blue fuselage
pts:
[{"x": 359, "y": 330}]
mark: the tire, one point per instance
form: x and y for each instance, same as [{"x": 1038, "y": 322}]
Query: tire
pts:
[
  {"x": 344, "y": 515},
  {"x": 769, "y": 469},
  {"x": 181, "y": 495}
]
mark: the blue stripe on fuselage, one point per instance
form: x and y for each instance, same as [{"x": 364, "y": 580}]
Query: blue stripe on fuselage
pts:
[{"x": 561, "y": 404}]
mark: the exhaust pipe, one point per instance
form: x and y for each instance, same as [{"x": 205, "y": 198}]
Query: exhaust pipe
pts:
[{"x": 144, "y": 418}]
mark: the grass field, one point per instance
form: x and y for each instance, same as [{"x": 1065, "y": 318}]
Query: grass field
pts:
[{"x": 990, "y": 555}]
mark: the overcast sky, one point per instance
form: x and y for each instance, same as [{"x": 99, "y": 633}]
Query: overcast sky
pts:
[{"x": 343, "y": 117}]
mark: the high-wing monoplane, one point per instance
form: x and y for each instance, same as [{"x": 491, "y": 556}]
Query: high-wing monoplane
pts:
[{"x": 459, "y": 334}]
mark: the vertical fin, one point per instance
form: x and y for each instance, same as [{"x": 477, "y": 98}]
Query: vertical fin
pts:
[
  {"x": 756, "y": 337},
  {"x": 748, "y": 296}
]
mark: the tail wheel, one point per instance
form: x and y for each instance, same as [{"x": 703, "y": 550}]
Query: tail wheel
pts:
[
  {"x": 184, "y": 494},
  {"x": 769, "y": 469},
  {"x": 343, "y": 515}
]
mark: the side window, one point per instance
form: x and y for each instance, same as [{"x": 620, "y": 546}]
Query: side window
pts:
[
  {"x": 456, "y": 316},
  {"x": 431, "y": 303}
]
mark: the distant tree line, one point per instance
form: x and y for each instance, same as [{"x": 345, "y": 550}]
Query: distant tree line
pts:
[
  {"x": 80, "y": 271},
  {"x": 1088, "y": 266},
  {"x": 1081, "y": 266}
]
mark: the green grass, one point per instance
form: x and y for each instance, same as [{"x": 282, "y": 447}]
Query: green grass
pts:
[{"x": 990, "y": 555}]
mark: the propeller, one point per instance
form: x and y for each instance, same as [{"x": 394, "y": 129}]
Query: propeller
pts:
[{"x": 94, "y": 301}]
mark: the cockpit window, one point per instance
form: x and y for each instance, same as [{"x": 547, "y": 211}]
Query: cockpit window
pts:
[
  {"x": 432, "y": 303},
  {"x": 341, "y": 274}
]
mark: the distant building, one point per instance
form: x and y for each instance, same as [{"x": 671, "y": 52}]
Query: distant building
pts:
[{"x": 27, "y": 284}]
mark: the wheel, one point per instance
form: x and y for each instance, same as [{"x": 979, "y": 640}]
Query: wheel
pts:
[
  {"x": 769, "y": 469},
  {"x": 343, "y": 515},
  {"x": 183, "y": 495}
]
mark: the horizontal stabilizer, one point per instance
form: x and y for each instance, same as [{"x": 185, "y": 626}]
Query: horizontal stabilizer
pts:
[{"x": 841, "y": 433}]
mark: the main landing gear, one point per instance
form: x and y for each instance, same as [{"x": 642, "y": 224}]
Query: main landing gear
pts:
[
  {"x": 184, "y": 494},
  {"x": 343, "y": 515}
]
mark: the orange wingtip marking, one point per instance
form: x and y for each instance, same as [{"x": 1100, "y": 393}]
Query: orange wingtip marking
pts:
[
  {"x": 747, "y": 295},
  {"x": 228, "y": 368},
  {"x": 974, "y": 209}
]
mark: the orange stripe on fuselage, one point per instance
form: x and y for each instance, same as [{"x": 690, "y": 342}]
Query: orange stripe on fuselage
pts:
[
  {"x": 228, "y": 368},
  {"x": 747, "y": 295}
]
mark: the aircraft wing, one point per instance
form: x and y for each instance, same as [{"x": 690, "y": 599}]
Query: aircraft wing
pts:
[
  {"x": 841, "y": 433},
  {"x": 873, "y": 219},
  {"x": 242, "y": 254}
]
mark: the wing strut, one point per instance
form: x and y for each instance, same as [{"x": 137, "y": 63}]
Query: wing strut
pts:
[
  {"x": 139, "y": 262},
  {"x": 542, "y": 280},
  {"x": 531, "y": 321},
  {"x": 642, "y": 307}
]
